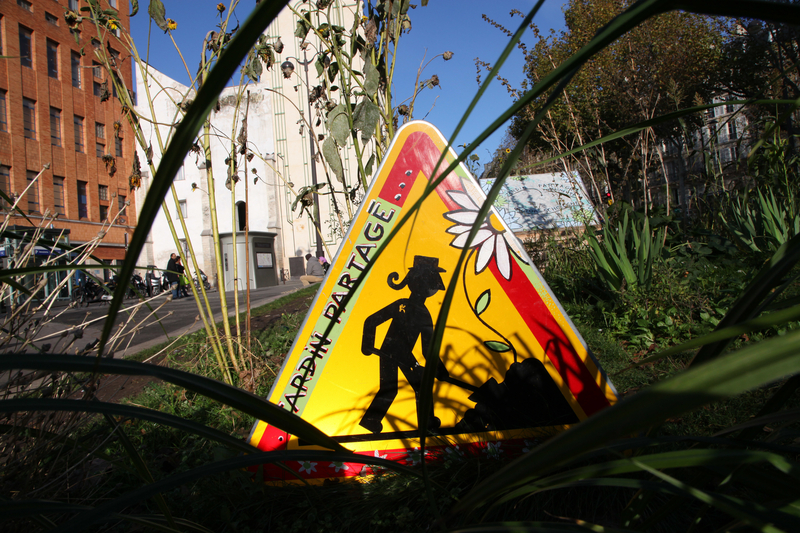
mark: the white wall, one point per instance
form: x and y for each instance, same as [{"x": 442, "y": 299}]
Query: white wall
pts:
[{"x": 262, "y": 215}]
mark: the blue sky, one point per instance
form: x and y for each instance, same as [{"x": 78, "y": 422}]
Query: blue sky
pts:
[{"x": 442, "y": 25}]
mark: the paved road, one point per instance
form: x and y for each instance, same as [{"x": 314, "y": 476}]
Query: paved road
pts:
[{"x": 167, "y": 319}]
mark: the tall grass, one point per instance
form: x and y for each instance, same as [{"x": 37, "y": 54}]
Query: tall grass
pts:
[{"x": 728, "y": 481}]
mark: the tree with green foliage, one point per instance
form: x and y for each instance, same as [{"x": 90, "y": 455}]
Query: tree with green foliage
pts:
[{"x": 662, "y": 65}]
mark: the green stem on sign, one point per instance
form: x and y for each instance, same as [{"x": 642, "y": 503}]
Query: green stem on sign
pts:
[{"x": 475, "y": 312}]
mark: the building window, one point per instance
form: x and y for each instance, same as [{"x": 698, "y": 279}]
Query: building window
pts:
[
  {"x": 52, "y": 59},
  {"x": 73, "y": 5},
  {"x": 29, "y": 117},
  {"x": 99, "y": 130},
  {"x": 97, "y": 70},
  {"x": 52, "y": 19},
  {"x": 97, "y": 88},
  {"x": 5, "y": 184},
  {"x": 83, "y": 203},
  {"x": 102, "y": 192},
  {"x": 121, "y": 205},
  {"x": 118, "y": 146},
  {"x": 24, "y": 4},
  {"x": 76, "y": 69},
  {"x": 3, "y": 115},
  {"x": 25, "y": 47},
  {"x": 113, "y": 3},
  {"x": 33, "y": 192},
  {"x": 179, "y": 176},
  {"x": 58, "y": 195},
  {"x": 1, "y": 34},
  {"x": 184, "y": 210},
  {"x": 99, "y": 149},
  {"x": 103, "y": 212},
  {"x": 55, "y": 126},
  {"x": 78, "y": 130}
]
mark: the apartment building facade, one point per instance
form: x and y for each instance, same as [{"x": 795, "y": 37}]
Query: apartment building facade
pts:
[{"x": 60, "y": 116}]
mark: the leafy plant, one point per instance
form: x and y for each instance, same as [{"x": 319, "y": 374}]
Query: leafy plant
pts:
[
  {"x": 624, "y": 256},
  {"x": 765, "y": 223}
]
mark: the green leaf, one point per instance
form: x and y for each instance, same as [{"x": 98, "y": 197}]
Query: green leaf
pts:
[
  {"x": 365, "y": 118},
  {"x": 134, "y": 7},
  {"x": 333, "y": 70},
  {"x": 253, "y": 69},
  {"x": 483, "y": 301},
  {"x": 157, "y": 13},
  {"x": 371, "y": 79},
  {"x": 303, "y": 26},
  {"x": 320, "y": 65},
  {"x": 497, "y": 346},
  {"x": 331, "y": 154},
  {"x": 368, "y": 166},
  {"x": 338, "y": 125}
]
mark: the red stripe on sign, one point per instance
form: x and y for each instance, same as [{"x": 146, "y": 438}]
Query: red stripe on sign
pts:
[
  {"x": 557, "y": 347},
  {"x": 418, "y": 154}
]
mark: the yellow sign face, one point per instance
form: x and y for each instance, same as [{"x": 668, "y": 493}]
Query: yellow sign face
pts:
[{"x": 513, "y": 366}]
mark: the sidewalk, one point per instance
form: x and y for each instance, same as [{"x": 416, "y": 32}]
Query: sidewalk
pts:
[{"x": 172, "y": 318}]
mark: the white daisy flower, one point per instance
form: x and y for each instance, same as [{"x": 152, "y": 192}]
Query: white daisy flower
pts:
[
  {"x": 338, "y": 465},
  {"x": 415, "y": 456},
  {"x": 493, "y": 449},
  {"x": 489, "y": 240},
  {"x": 307, "y": 466}
]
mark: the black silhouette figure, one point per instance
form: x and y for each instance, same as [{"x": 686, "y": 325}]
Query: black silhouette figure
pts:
[{"x": 410, "y": 320}]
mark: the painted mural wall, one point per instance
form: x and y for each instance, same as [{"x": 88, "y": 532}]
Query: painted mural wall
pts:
[{"x": 543, "y": 201}]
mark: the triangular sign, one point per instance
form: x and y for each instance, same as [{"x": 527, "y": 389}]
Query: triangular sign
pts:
[{"x": 514, "y": 367}]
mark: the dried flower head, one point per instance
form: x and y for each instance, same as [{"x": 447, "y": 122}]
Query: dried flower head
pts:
[
  {"x": 220, "y": 7},
  {"x": 172, "y": 25},
  {"x": 447, "y": 55}
]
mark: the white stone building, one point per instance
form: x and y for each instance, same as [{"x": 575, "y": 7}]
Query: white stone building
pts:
[
  {"x": 191, "y": 184},
  {"x": 279, "y": 133}
]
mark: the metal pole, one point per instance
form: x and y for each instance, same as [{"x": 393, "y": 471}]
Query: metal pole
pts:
[{"x": 313, "y": 158}]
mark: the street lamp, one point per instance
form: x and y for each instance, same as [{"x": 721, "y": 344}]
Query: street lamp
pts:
[{"x": 287, "y": 67}]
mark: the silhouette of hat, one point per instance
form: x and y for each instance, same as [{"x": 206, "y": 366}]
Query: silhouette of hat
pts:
[{"x": 422, "y": 262}]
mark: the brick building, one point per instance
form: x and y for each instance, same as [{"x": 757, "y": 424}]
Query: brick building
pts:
[{"x": 59, "y": 110}]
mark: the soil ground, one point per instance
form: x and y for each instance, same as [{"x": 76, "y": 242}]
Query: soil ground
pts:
[{"x": 115, "y": 388}]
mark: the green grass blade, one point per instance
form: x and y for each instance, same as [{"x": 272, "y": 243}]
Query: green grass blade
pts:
[
  {"x": 141, "y": 466},
  {"x": 87, "y": 518},
  {"x": 130, "y": 411},
  {"x": 538, "y": 527},
  {"x": 239, "y": 399},
  {"x": 732, "y": 374}
]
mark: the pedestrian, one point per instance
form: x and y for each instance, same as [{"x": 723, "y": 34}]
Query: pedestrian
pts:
[
  {"x": 182, "y": 282},
  {"x": 172, "y": 275},
  {"x": 314, "y": 271}
]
